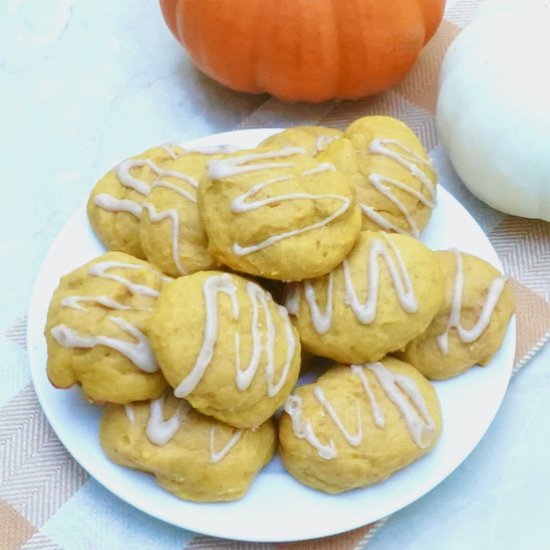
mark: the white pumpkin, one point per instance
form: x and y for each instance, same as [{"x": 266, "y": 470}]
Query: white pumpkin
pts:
[{"x": 493, "y": 111}]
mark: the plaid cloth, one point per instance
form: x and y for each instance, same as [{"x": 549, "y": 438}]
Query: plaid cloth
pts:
[{"x": 43, "y": 490}]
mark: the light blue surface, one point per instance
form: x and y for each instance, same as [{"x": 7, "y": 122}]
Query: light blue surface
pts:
[
  {"x": 499, "y": 498},
  {"x": 94, "y": 518},
  {"x": 85, "y": 84}
]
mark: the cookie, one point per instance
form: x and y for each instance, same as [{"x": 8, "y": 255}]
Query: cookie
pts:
[
  {"x": 95, "y": 330},
  {"x": 278, "y": 213},
  {"x": 193, "y": 456},
  {"x": 358, "y": 425},
  {"x": 394, "y": 181},
  {"x": 384, "y": 294},
  {"x": 114, "y": 205},
  {"x": 225, "y": 346},
  {"x": 147, "y": 207},
  {"x": 472, "y": 323}
]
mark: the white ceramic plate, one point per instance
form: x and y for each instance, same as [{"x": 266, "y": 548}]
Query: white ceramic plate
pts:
[{"x": 277, "y": 508}]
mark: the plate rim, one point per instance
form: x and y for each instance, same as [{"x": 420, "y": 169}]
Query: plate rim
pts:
[{"x": 34, "y": 336}]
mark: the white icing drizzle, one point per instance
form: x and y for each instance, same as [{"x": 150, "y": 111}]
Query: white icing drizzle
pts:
[
  {"x": 239, "y": 206},
  {"x": 112, "y": 204},
  {"x": 101, "y": 269},
  {"x": 323, "y": 142},
  {"x": 212, "y": 150},
  {"x": 223, "y": 284},
  {"x": 160, "y": 431},
  {"x": 224, "y": 168},
  {"x": 323, "y": 167},
  {"x": 401, "y": 391},
  {"x": 73, "y": 302},
  {"x": 139, "y": 353},
  {"x": 353, "y": 440},
  {"x": 244, "y": 377},
  {"x": 304, "y": 430},
  {"x": 321, "y": 321},
  {"x": 217, "y": 284},
  {"x": 130, "y": 413},
  {"x": 182, "y": 192},
  {"x": 429, "y": 202},
  {"x": 173, "y": 216},
  {"x": 272, "y": 388},
  {"x": 176, "y": 151},
  {"x": 377, "y": 412},
  {"x": 123, "y": 172},
  {"x": 366, "y": 312},
  {"x": 407, "y": 398},
  {"x": 377, "y": 182},
  {"x": 172, "y": 150},
  {"x": 410, "y": 160},
  {"x": 217, "y": 456},
  {"x": 292, "y": 298},
  {"x": 472, "y": 334}
]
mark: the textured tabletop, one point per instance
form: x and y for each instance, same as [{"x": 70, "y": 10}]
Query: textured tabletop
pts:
[{"x": 85, "y": 84}]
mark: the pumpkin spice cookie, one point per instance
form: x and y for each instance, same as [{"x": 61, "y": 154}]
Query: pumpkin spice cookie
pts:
[
  {"x": 225, "y": 346},
  {"x": 147, "y": 207},
  {"x": 358, "y": 425},
  {"x": 95, "y": 330},
  {"x": 471, "y": 325},
  {"x": 394, "y": 181},
  {"x": 114, "y": 206},
  {"x": 385, "y": 293},
  {"x": 278, "y": 213},
  {"x": 193, "y": 456}
]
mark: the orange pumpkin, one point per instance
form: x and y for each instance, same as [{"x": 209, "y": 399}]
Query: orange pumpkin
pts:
[{"x": 310, "y": 50}]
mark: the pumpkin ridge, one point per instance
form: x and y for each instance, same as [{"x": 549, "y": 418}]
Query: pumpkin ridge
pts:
[
  {"x": 338, "y": 52},
  {"x": 309, "y": 50},
  {"x": 169, "y": 10},
  {"x": 432, "y": 13}
]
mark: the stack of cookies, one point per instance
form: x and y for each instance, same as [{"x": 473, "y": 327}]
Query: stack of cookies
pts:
[{"x": 228, "y": 268}]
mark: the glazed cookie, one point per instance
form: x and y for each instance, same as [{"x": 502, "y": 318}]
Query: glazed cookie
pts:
[
  {"x": 313, "y": 139},
  {"x": 114, "y": 206},
  {"x": 384, "y": 294},
  {"x": 193, "y": 456},
  {"x": 472, "y": 323},
  {"x": 95, "y": 327},
  {"x": 226, "y": 346},
  {"x": 394, "y": 181},
  {"x": 147, "y": 207},
  {"x": 358, "y": 425},
  {"x": 278, "y": 213}
]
